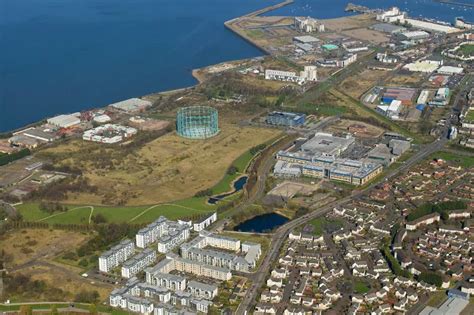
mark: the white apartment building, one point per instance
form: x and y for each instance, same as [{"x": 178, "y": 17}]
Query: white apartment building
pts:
[
  {"x": 169, "y": 281},
  {"x": 309, "y": 74},
  {"x": 176, "y": 234},
  {"x": 149, "y": 234},
  {"x": 391, "y": 16},
  {"x": 308, "y": 25},
  {"x": 116, "y": 255},
  {"x": 138, "y": 263},
  {"x": 202, "y": 290},
  {"x": 199, "y": 226}
]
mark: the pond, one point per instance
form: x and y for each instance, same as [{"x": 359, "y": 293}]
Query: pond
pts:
[
  {"x": 262, "y": 224},
  {"x": 237, "y": 186}
]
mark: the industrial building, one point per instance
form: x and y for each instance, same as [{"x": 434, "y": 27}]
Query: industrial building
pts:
[
  {"x": 414, "y": 35},
  {"x": 393, "y": 15},
  {"x": 425, "y": 66},
  {"x": 462, "y": 23},
  {"x": 405, "y": 95},
  {"x": 309, "y": 74},
  {"x": 285, "y": 119},
  {"x": 338, "y": 62},
  {"x": 133, "y": 105},
  {"x": 109, "y": 133},
  {"x": 308, "y": 25},
  {"x": 450, "y": 70},
  {"x": 306, "y": 39},
  {"x": 441, "y": 98},
  {"x": 432, "y": 27},
  {"x": 197, "y": 122},
  {"x": 64, "y": 121},
  {"x": 388, "y": 28},
  {"x": 392, "y": 111}
]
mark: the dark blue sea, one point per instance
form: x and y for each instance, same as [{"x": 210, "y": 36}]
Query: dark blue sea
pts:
[{"x": 59, "y": 56}]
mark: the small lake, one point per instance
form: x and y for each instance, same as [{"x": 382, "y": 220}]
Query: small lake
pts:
[
  {"x": 262, "y": 224},
  {"x": 237, "y": 186}
]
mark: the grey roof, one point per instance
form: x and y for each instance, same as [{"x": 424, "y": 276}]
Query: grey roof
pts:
[{"x": 387, "y": 28}]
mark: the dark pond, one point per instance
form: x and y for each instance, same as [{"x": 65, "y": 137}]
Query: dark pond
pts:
[
  {"x": 262, "y": 223},
  {"x": 238, "y": 185}
]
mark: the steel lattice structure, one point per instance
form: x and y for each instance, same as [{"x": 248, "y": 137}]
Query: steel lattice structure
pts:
[{"x": 197, "y": 122}]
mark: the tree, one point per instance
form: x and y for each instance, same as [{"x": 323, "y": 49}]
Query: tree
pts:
[{"x": 99, "y": 218}]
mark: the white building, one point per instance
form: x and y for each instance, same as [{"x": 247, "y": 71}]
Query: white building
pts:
[
  {"x": 151, "y": 232},
  {"x": 308, "y": 25},
  {"x": 138, "y": 263},
  {"x": 199, "y": 226},
  {"x": 116, "y": 255},
  {"x": 391, "y": 16},
  {"x": 64, "y": 121}
]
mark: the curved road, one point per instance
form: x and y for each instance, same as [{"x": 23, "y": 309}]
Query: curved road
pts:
[{"x": 282, "y": 232}]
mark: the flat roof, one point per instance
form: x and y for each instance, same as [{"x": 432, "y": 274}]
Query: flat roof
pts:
[
  {"x": 306, "y": 39},
  {"x": 326, "y": 143}
]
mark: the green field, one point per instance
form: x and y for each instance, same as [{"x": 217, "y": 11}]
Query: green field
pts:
[
  {"x": 361, "y": 287},
  {"x": 461, "y": 160},
  {"x": 467, "y": 50},
  {"x": 470, "y": 116},
  {"x": 319, "y": 224}
]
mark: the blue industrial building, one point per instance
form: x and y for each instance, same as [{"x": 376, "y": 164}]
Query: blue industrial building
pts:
[{"x": 285, "y": 119}]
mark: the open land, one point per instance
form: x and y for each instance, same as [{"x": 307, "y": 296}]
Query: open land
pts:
[
  {"x": 157, "y": 172},
  {"x": 34, "y": 253}
]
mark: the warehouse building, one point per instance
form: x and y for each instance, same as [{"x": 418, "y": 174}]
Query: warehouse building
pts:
[
  {"x": 133, "y": 105},
  {"x": 306, "y": 39},
  {"x": 450, "y": 70},
  {"x": 285, "y": 119},
  {"x": 414, "y": 35},
  {"x": 388, "y": 28},
  {"x": 64, "y": 121}
]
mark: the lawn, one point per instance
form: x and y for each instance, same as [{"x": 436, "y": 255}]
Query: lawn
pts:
[
  {"x": 361, "y": 287},
  {"x": 461, "y": 160},
  {"x": 140, "y": 214},
  {"x": 322, "y": 223},
  {"x": 470, "y": 115},
  {"x": 467, "y": 50}
]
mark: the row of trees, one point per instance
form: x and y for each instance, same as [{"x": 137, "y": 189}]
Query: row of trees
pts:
[
  {"x": 8, "y": 158},
  {"x": 442, "y": 208}
]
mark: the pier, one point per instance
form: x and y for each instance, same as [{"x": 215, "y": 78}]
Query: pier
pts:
[{"x": 457, "y": 3}]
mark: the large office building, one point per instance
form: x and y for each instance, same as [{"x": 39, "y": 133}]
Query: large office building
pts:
[
  {"x": 285, "y": 119},
  {"x": 327, "y": 144},
  {"x": 319, "y": 157},
  {"x": 116, "y": 255}
]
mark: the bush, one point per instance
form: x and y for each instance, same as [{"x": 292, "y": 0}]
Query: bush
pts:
[
  {"x": 99, "y": 219},
  {"x": 8, "y": 158},
  {"x": 232, "y": 170},
  {"x": 203, "y": 193}
]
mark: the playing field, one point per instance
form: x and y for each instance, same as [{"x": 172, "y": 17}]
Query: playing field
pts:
[{"x": 164, "y": 170}]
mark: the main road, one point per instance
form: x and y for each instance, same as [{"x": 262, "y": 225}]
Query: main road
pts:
[{"x": 282, "y": 232}]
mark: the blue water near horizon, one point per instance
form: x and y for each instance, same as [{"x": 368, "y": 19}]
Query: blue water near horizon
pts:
[{"x": 60, "y": 56}]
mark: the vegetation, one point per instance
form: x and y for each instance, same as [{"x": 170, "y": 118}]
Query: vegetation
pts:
[
  {"x": 322, "y": 223},
  {"x": 361, "y": 287},
  {"x": 431, "y": 278},
  {"x": 393, "y": 263},
  {"x": 21, "y": 286},
  {"x": 441, "y": 208},
  {"x": 462, "y": 160},
  {"x": 467, "y": 50},
  {"x": 8, "y": 158}
]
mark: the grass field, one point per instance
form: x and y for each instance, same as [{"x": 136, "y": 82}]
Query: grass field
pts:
[
  {"x": 462, "y": 160},
  {"x": 361, "y": 287},
  {"x": 467, "y": 50},
  {"x": 157, "y": 172},
  {"x": 185, "y": 208},
  {"x": 319, "y": 224}
]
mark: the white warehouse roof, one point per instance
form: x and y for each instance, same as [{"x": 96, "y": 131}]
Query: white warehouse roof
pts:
[
  {"x": 64, "y": 121},
  {"x": 450, "y": 70}
]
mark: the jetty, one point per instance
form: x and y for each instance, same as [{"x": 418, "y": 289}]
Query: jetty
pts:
[{"x": 457, "y": 3}]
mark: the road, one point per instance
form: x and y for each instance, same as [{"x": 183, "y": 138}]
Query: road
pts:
[{"x": 282, "y": 232}]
